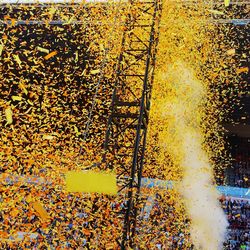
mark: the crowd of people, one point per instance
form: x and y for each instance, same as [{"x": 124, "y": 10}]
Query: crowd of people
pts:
[
  {"x": 238, "y": 174},
  {"x": 238, "y": 214},
  {"x": 89, "y": 221},
  {"x": 238, "y": 237}
]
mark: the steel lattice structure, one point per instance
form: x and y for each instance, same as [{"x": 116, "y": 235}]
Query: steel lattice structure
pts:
[{"x": 125, "y": 140}]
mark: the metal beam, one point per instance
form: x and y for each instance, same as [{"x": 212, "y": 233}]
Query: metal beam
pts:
[{"x": 130, "y": 108}]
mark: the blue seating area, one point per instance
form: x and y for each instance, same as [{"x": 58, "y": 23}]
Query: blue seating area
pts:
[{"x": 236, "y": 192}]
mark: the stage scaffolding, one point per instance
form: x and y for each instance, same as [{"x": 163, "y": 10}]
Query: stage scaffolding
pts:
[{"x": 127, "y": 125}]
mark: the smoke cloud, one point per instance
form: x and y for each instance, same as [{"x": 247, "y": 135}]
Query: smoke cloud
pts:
[{"x": 208, "y": 222}]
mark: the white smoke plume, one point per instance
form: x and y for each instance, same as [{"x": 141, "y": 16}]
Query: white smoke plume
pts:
[{"x": 208, "y": 222}]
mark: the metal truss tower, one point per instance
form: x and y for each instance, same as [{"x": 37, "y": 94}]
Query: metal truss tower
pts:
[{"x": 125, "y": 140}]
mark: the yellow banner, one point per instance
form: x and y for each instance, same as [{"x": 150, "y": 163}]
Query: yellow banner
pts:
[{"x": 91, "y": 182}]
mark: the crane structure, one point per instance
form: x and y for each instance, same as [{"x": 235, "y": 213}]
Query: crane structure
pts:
[{"x": 125, "y": 140}]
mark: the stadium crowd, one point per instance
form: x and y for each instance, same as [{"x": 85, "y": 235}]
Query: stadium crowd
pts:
[
  {"x": 238, "y": 214},
  {"x": 238, "y": 236},
  {"x": 80, "y": 227}
]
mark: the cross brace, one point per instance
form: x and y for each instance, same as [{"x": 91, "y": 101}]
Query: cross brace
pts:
[{"x": 127, "y": 125}]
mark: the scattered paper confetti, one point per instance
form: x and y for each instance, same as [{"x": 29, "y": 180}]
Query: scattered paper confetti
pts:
[
  {"x": 40, "y": 210},
  {"x": 1, "y": 49},
  {"x": 231, "y": 52},
  {"x": 242, "y": 70},
  {"x": 16, "y": 98},
  {"x": 8, "y": 114},
  {"x": 227, "y": 3},
  {"x": 43, "y": 50},
  {"x": 17, "y": 59},
  {"x": 51, "y": 54}
]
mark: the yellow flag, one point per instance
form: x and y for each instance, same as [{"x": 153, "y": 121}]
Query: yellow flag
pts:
[
  {"x": 227, "y": 2},
  {"x": 91, "y": 182},
  {"x": 48, "y": 137}
]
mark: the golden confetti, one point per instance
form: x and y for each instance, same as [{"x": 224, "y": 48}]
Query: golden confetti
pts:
[
  {"x": 1, "y": 49},
  {"x": 8, "y": 115},
  {"x": 242, "y": 70},
  {"x": 42, "y": 50},
  {"x": 43, "y": 215},
  {"x": 17, "y": 59},
  {"x": 227, "y": 3},
  {"x": 16, "y": 98},
  {"x": 51, "y": 54},
  {"x": 231, "y": 52}
]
